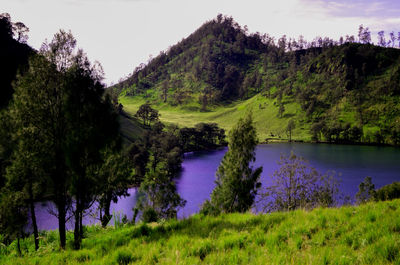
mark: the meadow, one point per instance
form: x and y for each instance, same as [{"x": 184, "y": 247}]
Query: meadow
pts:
[
  {"x": 265, "y": 115},
  {"x": 366, "y": 234}
]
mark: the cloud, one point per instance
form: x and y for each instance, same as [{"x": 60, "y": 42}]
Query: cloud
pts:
[{"x": 357, "y": 8}]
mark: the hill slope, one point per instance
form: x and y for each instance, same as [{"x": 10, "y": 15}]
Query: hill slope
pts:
[
  {"x": 368, "y": 234},
  {"x": 343, "y": 92}
]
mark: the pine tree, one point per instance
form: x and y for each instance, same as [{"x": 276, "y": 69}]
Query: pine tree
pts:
[{"x": 237, "y": 182}]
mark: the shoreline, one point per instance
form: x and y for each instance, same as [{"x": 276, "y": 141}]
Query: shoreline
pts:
[{"x": 277, "y": 141}]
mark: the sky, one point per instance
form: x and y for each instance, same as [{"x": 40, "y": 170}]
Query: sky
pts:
[{"x": 121, "y": 34}]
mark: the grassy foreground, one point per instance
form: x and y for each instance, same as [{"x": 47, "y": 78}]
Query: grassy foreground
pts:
[
  {"x": 265, "y": 115},
  {"x": 368, "y": 234}
]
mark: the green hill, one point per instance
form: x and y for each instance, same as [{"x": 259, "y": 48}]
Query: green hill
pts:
[
  {"x": 337, "y": 92},
  {"x": 367, "y": 234}
]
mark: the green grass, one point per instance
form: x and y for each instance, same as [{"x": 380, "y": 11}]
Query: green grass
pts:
[
  {"x": 265, "y": 114},
  {"x": 131, "y": 129},
  {"x": 368, "y": 234}
]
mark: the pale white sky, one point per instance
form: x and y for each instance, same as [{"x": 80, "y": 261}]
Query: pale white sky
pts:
[{"x": 121, "y": 34}]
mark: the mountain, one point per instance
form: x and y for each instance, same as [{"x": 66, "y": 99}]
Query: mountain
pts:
[{"x": 334, "y": 91}]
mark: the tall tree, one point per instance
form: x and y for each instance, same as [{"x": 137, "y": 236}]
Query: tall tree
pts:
[
  {"x": 290, "y": 127},
  {"x": 26, "y": 177},
  {"x": 60, "y": 108},
  {"x": 92, "y": 122},
  {"x": 364, "y": 35},
  {"x": 381, "y": 38},
  {"x": 158, "y": 197},
  {"x": 236, "y": 181},
  {"x": 115, "y": 176},
  {"x": 366, "y": 191},
  {"x": 39, "y": 104}
]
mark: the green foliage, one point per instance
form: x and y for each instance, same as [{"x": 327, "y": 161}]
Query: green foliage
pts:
[
  {"x": 388, "y": 192},
  {"x": 158, "y": 197},
  {"x": 147, "y": 114},
  {"x": 13, "y": 215},
  {"x": 60, "y": 124},
  {"x": 236, "y": 181},
  {"x": 202, "y": 137},
  {"x": 366, "y": 191},
  {"x": 115, "y": 178},
  {"x": 296, "y": 185}
]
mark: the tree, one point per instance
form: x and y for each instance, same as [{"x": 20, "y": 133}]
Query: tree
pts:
[
  {"x": 366, "y": 191},
  {"x": 281, "y": 109},
  {"x": 38, "y": 109},
  {"x": 290, "y": 127},
  {"x": 297, "y": 185},
  {"x": 59, "y": 109},
  {"x": 115, "y": 175},
  {"x": 21, "y": 31},
  {"x": 398, "y": 38},
  {"x": 381, "y": 38},
  {"x": 158, "y": 195},
  {"x": 236, "y": 181},
  {"x": 164, "y": 88},
  {"x": 13, "y": 215},
  {"x": 138, "y": 157},
  {"x": 364, "y": 35},
  {"x": 147, "y": 114},
  {"x": 392, "y": 39},
  {"x": 92, "y": 127},
  {"x": 26, "y": 177},
  {"x": 160, "y": 161}
]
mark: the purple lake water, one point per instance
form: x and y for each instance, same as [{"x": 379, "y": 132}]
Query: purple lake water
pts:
[{"x": 351, "y": 163}]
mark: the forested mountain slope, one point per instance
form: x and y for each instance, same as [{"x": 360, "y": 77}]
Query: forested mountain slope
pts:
[{"x": 339, "y": 91}]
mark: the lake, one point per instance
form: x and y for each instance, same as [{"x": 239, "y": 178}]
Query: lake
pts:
[{"x": 351, "y": 163}]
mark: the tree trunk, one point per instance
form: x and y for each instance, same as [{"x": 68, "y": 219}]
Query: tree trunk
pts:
[
  {"x": 77, "y": 223},
  {"x": 34, "y": 224},
  {"x": 18, "y": 246},
  {"x": 107, "y": 216},
  {"x": 80, "y": 225},
  {"x": 61, "y": 221}
]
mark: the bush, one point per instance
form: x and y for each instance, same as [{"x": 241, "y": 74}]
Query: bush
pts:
[
  {"x": 149, "y": 215},
  {"x": 123, "y": 257},
  {"x": 388, "y": 192}
]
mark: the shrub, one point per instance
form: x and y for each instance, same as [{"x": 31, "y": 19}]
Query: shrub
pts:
[{"x": 388, "y": 192}]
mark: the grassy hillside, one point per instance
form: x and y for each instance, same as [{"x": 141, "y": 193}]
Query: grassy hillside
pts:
[
  {"x": 368, "y": 234},
  {"x": 265, "y": 113},
  {"x": 131, "y": 129}
]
